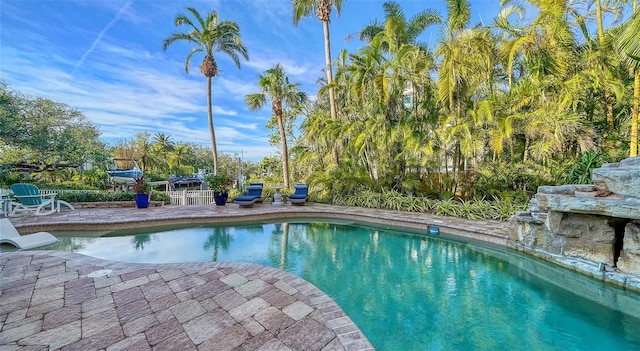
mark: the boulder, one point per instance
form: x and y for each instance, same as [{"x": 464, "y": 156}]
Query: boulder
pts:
[
  {"x": 581, "y": 235},
  {"x": 629, "y": 260},
  {"x": 622, "y": 178},
  {"x": 612, "y": 205}
]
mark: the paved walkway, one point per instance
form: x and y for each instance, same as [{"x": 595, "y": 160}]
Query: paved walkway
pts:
[
  {"x": 51, "y": 300},
  {"x": 65, "y": 301}
]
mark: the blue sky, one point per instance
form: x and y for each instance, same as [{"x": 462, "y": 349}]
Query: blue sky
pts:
[{"x": 105, "y": 58}]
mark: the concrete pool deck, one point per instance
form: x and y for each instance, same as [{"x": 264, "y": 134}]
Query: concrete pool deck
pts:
[{"x": 60, "y": 300}]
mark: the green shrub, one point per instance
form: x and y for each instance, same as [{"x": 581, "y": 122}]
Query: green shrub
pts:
[
  {"x": 105, "y": 196},
  {"x": 95, "y": 196},
  {"x": 580, "y": 171},
  {"x": 498, "y": 208},
  {"x": 156, "y": 196}
]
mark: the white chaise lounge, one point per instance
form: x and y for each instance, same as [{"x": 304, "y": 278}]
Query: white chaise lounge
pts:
[{"x": 9, "y": 235}]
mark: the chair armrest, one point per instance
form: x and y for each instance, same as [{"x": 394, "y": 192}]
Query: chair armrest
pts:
[{"x": 51, "y": 195}]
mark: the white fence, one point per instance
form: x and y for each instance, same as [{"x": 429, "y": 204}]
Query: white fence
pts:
[
  {"x": 191, "y": 197},
  {"x": 180, "y": 198}
]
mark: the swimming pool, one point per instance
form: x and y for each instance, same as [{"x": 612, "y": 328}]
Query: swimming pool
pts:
[{"x": 408, "y": 291}]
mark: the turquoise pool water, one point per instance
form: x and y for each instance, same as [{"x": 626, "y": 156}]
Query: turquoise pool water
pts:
[{"x": 407, "y": 291}]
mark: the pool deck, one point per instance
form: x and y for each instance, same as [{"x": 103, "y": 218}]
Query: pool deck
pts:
[{"x": 52, "y": 300}]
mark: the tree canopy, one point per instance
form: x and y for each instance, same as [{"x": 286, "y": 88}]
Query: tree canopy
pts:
[{"x": 41, "y": 134}]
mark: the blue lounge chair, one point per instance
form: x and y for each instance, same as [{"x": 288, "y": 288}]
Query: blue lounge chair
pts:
[
  {"x": 254, "y": 194},
  {"x": 301, "y": 195},
  {"x": 31, "y": 200}
]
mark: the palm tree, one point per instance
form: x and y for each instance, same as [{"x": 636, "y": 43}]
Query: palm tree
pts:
[
  {"x": 406, "y": 32},
  {"x": 322, "y": 8},
  {"x": 178, "y": 157},
  {"x": 144, "y": 150},
  {"x": 161, "y": 146},
  {"x": 209, "y": 35},
  {"x": 629, "y": 43},
  {"x": 275, "y": 85},
  {"x": 163, "y": 142},
  {"x": 604, "y": 51}
]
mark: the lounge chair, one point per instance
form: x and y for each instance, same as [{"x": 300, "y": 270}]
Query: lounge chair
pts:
[
  {"x": 254, "y": 194},
  {"x": 301, "y": 195},
  {"x": 31, "y": 200},
  {"x": 9, "y": 235}
]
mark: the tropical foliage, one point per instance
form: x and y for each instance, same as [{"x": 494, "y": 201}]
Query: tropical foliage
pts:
[
  {"x": 141, "y": 186},
  {"x": 499, "y": 209},
  {"x": 495, "y": 108},
  {"x": 219, "y": 182}
]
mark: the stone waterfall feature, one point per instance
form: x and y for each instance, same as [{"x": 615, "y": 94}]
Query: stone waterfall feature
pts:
[{"x": 597, "y": 223}]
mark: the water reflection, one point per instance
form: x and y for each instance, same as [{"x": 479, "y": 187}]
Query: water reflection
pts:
[
  {"x": 280, "y": 233},
  {"x": 139, "y": 241},
  {"x": 72, "y": 244},
  {"x": 220, "y": 238}
]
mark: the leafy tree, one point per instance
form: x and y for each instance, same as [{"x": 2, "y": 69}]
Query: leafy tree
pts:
[
  {"x": 275, "y": 85},
  {"x": 209, "y": 35},
  {"x": 44, "y": 134}
]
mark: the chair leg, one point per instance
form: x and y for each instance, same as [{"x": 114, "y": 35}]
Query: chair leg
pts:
[
  {"x": 15, "y": 208},
  {"x": 40, "y": 210},
  {"x": 61, "y": 203}
]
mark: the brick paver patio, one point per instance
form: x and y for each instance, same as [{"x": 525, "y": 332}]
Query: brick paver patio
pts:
[{"x": 63, "y": 301}]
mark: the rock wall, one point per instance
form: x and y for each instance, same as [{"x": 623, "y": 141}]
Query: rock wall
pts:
[
  {"x": 586, "y": 236},
  {"x": 629, "y": 260},
  {"x": 585, "y": 221},
  {"x": 570, "y": 234}
]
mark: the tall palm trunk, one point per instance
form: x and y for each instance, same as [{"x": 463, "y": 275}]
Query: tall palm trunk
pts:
[
  {"x": 327, "y": 58},
  {"x": 634, "y": 117},
  {"x": 212, "y": 133},
  {"x": 332, "y": 96},
  {"x": 636, "y": 102},
  {"x": 277, "y": 109},
  {"x": 608, "y": 98}
]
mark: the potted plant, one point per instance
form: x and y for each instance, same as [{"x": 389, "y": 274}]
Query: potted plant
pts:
[
  {"x": 141, "y": 188},
  {"x": 220, "y": 184}
]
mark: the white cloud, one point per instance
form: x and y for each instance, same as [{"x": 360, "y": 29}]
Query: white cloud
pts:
[
  {"x": 109, "y": 64},
  {"x": 234, "y": 87},
  {"x": 291, "y": 68},
  {"x": 102, "y": 33}
]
